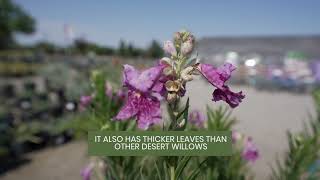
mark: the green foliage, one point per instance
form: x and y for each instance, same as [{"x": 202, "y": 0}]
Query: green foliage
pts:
[
  {"x": 220, "y": 119},
  {"x": 300, "y": 160},
  {"x": 13, "y": 19},
  {"x": 83, "y": 46},
  {"x": 233, "y": 167}
]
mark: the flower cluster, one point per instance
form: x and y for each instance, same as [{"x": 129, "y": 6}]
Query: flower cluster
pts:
[{"x": 167, "y": 80}]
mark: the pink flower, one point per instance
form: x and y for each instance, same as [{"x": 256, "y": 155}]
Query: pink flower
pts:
[
  {"x": 217, "y": 77},
  {"x": 197, "y": 118},
  {"x": 143, "y": 100},
  {"x": 250, "y": 151},
  {"x": 84, "y": 102},
  {"x": 236, "y": 136},
  {"x": 86, "y": 172}
]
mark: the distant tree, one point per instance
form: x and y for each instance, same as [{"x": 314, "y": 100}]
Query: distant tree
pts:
[
  {"x": 83, "y": 46},
  {"x": 154, "y": 50},
  {"x": 13, "y": 19},
  {"x": 46, "y": 47},
  {"x": 122, "y": 49}
]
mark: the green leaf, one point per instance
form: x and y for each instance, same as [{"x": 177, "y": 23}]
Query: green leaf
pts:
[
  {"x": 157, "y": 169},
  {"x": 185, "y": 114},
  {"x": 196, "y": 172},
  {"x": 181, "y": 165}
]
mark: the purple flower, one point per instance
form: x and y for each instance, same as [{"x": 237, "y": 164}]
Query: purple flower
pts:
[
  {"x": 108, "y": 89},
  {"x": 217, "y": 77},
  {"x": 196, "y": 118},
  {"x": 250, "y": 151},
  {"x": 86, "y": 172},
  {"x": 143, "y": 100},
  {"x": 84, "y": 102},
  {"x": 233, "y": 99},
  {"x": 169, "y": 48}
]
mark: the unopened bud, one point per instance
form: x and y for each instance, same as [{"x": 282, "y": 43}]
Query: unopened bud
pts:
[
  {"x": 186, "y": 47},
  {"x": 168, "y": 71},
  {"x": 177, "y": 38},
  {"x": 169, "y": 48},
  {"x": 166, "y": 60}
]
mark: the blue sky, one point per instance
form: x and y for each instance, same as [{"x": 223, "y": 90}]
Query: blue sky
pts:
[{"x": 140, "y": 21}]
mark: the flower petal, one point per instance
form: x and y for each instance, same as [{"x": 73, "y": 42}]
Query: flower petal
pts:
[
  {"x": 216, "y": 76},
  {"x": 233, "y": 99},
  {"x": 149, "y": 113},
  {"x": 129, "y": 109},
  {"x": 142, "y": 81}
]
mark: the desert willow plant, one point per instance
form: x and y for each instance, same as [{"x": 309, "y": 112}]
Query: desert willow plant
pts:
[{"x": 166, "y": 83}]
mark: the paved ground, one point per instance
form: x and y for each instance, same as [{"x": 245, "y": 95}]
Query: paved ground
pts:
[
  {"x": 59, "y": 163},
  {"x": 263, "y": 115}
]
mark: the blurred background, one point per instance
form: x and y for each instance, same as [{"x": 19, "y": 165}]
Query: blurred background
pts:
[{"x": 49, "y": 48}]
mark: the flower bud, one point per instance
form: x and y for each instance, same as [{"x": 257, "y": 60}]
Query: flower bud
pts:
[
  {"x": 177, "y": 38},
  {"x": 169, "y": 48},
  {"x": 186, "y": 74},
  {"x": 190, "y": 38},
  {"x": 168, "y": 71},
  {"x": 166, "y": 61},
  {"x": 186, "y": 47}
]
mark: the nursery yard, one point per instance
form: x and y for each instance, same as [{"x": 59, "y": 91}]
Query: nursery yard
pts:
[{"x": 263, "y": 115}]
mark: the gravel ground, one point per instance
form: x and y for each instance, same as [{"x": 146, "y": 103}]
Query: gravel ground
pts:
[{"x": 263, "y": 115}]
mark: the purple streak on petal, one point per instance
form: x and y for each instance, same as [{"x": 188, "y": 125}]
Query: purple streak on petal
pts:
[
  {"x": 145, "y": 107},
  {"x": 150, "y": 113},
  {"x": 129, "y": 109},
  {"x": 233, "y": 99}
]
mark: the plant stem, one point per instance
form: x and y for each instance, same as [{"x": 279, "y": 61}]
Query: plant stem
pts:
[{"x": 172, "y": 173}]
